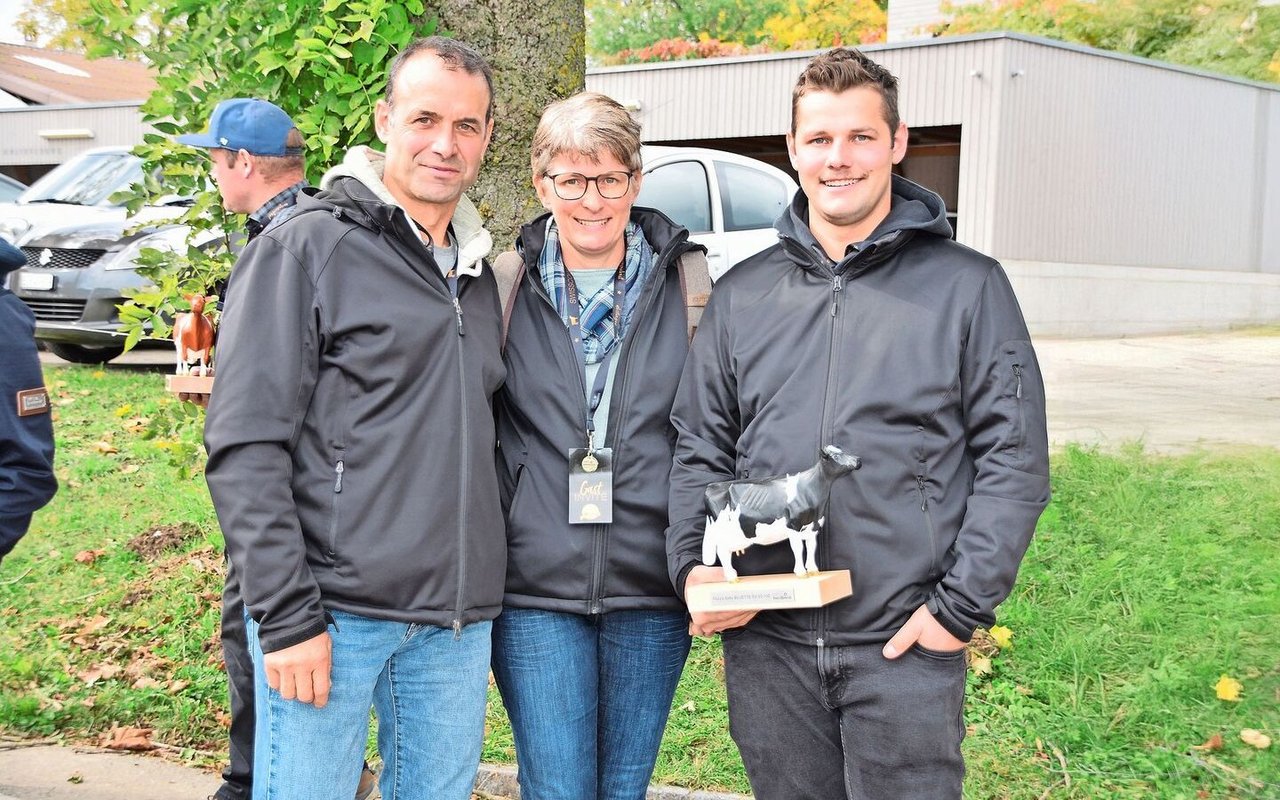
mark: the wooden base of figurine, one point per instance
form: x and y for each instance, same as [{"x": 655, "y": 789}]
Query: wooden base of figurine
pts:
[
  {"x": 770, "y": 591},
  {"x": 188, "y": 384}
]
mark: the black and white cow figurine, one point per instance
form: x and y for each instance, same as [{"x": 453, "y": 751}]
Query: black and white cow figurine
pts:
[{"x": 754, "y": 511}]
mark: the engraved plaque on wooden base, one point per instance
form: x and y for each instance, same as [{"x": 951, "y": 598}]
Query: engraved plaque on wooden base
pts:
[
  {"x": 190, "y": 384},
  {"x": 770, "y": 591}
]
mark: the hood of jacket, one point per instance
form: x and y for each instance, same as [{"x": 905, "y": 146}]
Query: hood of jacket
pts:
[
  {"x": 914, "y": 210},
  {"x": 357, "y": 187}
]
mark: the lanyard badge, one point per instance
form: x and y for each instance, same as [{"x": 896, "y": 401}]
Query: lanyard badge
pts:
[{"x": 591, "y": 467}]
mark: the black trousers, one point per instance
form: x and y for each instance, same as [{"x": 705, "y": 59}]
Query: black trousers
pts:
[
  {"x": 237, "y": 778},
  {"x": 845, "y": 722}
]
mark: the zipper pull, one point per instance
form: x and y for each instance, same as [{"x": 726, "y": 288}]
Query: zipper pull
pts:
[
  {"x": 339, "y": 469},
  {"x": 457, "y": 309},
  {"x": 924, "y": 506},
  {"x": 1017, "y": 373},
  {"x": 457, "y": 629},
  {"x": 837, "y": 284}
]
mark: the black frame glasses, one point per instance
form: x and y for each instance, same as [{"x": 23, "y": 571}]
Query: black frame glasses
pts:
[{"x": 612, "y": 185}]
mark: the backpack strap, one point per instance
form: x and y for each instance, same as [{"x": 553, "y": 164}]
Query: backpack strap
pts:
[
  {"x": 508, "y": 269},
  {"x": 695, "y": 285}
]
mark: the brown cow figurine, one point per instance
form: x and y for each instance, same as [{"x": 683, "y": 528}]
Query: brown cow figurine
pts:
[{"x": 193, "y": 337}]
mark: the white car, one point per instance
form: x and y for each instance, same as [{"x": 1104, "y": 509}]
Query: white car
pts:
[{"x": 728, "y": 202}]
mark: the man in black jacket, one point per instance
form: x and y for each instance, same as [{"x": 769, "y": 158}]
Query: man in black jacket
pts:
[
  {"x": 867, "y": 328},
  {"x": 351, "y": 451},
  {"x": 26, "y": 429},
  {"x": 258, "y": 164}
]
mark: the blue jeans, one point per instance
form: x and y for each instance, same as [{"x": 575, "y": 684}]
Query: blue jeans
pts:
[
  {"x": 588, "y": 697},
  {"x": 845, "y": 722},
  {"x": 428, "y": 690}
]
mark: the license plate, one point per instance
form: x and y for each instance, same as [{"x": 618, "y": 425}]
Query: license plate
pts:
[{"x": 35, "y": 281}]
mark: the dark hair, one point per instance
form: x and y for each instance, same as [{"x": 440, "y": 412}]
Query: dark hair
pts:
[
  {"x": 842, "y": 69},
  {"x": 453, "y": 53}
]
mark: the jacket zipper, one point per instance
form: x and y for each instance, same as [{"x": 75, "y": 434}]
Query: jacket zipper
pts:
[
  {"x": 837, "y": 286},
  {"x": 619, "y": 388},
  {"x": 339, "y": 467},
  {"x": 1022, "y": 423},
  {"x": 597, "y": 531},
  {"x": 928, "y": 522}
]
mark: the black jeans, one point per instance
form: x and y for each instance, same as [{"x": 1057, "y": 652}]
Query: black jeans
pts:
[
  {"x": 845, "y": 722},
  {"x": 237, "y": 778}
]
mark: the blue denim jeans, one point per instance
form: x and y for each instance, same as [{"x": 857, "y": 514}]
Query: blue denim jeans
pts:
[
  {"x": 588, "y": 697},
  {"x": 428, "y": 690},
  {"x": 845, "y": 722}
]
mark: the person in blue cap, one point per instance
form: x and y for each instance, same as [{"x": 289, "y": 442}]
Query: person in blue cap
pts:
[
  {"x": 257, "y": 159},
  {"x": 26, "y": 427},
  {"x": 257, "y": 162}
]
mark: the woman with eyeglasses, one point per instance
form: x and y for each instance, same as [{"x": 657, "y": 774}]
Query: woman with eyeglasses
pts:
[{"x": 592, "y": 638}]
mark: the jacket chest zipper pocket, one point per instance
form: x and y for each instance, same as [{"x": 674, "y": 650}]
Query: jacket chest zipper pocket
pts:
[
  {"x": 928, "y": 524},
  {"x": 1021, "y": 433},
  {"x": 339, "y": 468}
]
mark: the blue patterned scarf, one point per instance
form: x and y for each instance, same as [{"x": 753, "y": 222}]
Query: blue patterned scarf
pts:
[{"x": 596, "y": 314}]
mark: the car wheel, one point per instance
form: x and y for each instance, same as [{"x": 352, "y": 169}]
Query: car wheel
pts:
[{"x": 78, "y": 354}]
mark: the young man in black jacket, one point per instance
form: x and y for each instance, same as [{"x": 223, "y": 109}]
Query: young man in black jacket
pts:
[
  {"x": 868, "y": 328},
  {"x": 351, "y": 444}
]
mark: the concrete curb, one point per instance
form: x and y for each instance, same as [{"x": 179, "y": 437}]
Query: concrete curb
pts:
[{"x": 500, "y": 782}]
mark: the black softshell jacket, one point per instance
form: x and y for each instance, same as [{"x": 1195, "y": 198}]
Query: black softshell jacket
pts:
[
  {"x": 350, "y": 432},
  {"x": 591, "y": 569},
  {"x": 910, "y": 353}
]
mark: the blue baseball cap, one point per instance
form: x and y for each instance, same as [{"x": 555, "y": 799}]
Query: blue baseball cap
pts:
[{"x": 246, "y": 123}]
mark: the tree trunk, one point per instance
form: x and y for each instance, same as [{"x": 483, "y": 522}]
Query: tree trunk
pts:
[{"x": 538, "y": 53}]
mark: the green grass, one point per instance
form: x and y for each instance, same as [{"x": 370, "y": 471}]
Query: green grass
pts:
[{"x": 1149, "y": 579}]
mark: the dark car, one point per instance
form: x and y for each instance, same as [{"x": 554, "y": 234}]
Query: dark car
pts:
[{"x": 80, "y": 250}]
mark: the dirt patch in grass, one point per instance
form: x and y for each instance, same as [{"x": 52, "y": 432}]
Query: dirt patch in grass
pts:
[{"x": 153, "y": 543}]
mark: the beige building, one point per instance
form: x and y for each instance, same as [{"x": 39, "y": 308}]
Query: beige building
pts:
[
  {"x": 1123, "y": 195},
  {"x": 54, "y": 104}
]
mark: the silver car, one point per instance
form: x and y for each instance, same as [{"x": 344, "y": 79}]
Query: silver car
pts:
[{"x": 80, "y": 250}]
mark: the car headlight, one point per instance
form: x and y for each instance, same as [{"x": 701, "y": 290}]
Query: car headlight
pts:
[
  {"x": 173, "y": 240},
  {"x": 14, "y": 228}
]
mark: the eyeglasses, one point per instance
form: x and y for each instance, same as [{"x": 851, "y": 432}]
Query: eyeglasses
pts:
[{"x": 573, "y": 185}]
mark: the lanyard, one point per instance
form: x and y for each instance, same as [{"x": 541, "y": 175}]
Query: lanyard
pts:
[{"x": 575, "y": 336}]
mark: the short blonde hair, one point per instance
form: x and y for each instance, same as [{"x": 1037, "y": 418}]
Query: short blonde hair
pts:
[{"x": 587, "y": 124}]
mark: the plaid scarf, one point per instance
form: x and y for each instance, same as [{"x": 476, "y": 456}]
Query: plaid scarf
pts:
[{"x": 596, "y": 314}]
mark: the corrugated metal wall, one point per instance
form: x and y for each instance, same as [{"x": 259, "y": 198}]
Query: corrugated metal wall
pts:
[
  {"x": 1067, "y": 155},
  {"x": 111, "y": 124},
  {"x": 942, "y": 82},
  {"x": 1112, "y": 161},
  {"x": 1269, "y": 210}
]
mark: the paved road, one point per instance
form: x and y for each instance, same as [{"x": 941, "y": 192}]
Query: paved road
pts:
[{"x": 1175, "y": 393}]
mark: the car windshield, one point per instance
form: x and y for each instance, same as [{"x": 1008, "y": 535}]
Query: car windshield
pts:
[{"x": 89, "y": 179}]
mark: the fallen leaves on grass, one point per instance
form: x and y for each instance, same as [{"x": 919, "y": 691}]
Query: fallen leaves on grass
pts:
[
  {"x": 1255, "y": 738},
  {"x": 99, "y": 672},
  {"x": 135, "y": 739},
  {"x": 104, "y": 447},
  {"x": 1228, "y": 688},
  {"x": 153, "y": 543},
  {"x": 981, "y": 665},
  {"x": 1213, "y": 744},
  {"x": 89, "y": 628},
  {"x": 89, "y": 556},
  {"x": 1002, "y": 636}
]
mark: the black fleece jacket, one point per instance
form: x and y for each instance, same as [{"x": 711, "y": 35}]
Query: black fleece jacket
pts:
[
  {"x": 911, "y": 353},
  {"x": 351, "y": 433},
  {"x": 588, "y": 569}
]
